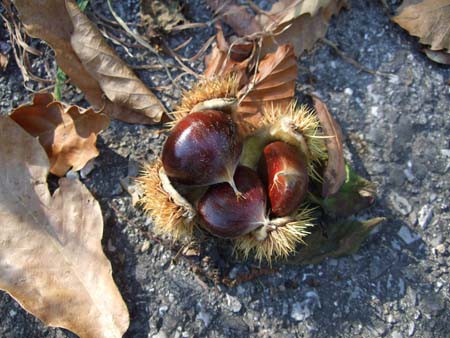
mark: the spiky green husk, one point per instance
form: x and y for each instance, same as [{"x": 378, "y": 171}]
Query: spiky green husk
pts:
[
  {"x": 168, "y": 210},
  {"x": 280, "y": 242},
  {"x": 207, "y": 89}
]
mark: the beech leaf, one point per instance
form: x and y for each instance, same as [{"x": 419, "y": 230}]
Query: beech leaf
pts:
[
  {"x": 273, "y": 84},
  {"x": 93, "y": 66},
  {"x": 334, "y": 174},
  {"x": 225, "y": 58},
  {"x": 67, "y": 134},
  {"x": 428, "y": 20},
  {"x": 299, "y": 22},
  {"x": 51, "y": 258}
]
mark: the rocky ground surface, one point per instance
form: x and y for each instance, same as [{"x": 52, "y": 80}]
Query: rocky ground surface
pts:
[{"x": 397, "y": 134}]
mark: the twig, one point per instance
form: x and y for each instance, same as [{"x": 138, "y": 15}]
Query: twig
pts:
[
  {"x": 202, "y": 50},
  {"x": 183, "y": 44},
  {"x": 178, "y": 59},
  {"x": 352, "y": 61}
]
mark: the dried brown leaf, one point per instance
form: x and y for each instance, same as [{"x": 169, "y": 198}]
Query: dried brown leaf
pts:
[
  {"x": 273, "y": 84},
  {"x": 335, "y": 173},
  {"x": 428, "y": 20},
  {"x": 91, "y": 64},
  {"x": 51, "y": 258},
  {"x": 67, "y": 134},
  {"x": 300, "y": 22},
  {"x": 225, "y": 58},
  {"x": 235, "y": 16}
]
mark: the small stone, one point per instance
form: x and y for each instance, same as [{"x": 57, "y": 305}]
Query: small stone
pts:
[
  {"x": 425, "y": 215},
  {"x": 233, "y": 273},
  {"x": 411, "y": 328},
  {"x": 160, "y": 334},
  {"x": 348, "y": 91},
  {"x": 401, "y": 287},
  {"x": 133, "y": 189},
  {"x": 400, "y": 204},
  {"x": 110, "y": 246},
  {"x": 303, "y": 310},
  {"x": 87, "y": 169},
  {"x": 440, "y": 249},
  {"x": 397, "y": 334},
  {"x": 406, "y": 235},
  {"x": 445, "y": 152},
  {"x": 395, "y": 245},
  {"x": 374, "y": 111},
  {"x": 233, "y": 304},
  {"x": 162, "y": 310},
  {"x": 72, "y": 175},
  {"x": 145, "y": 246},
  {"x": 204, "y": 317}
]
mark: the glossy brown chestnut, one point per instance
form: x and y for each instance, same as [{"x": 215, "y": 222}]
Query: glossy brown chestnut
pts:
[
  {"x": 202, "y": 149},
  {"x": 225, "y": 215},
  {"x": 284, "y": 171}
]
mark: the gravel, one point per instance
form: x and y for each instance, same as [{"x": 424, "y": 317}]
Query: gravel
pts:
[{"x": 397, "y": 132}]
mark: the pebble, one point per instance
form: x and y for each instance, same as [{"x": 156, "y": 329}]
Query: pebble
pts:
[
  {"x": 348, "y": 91},
  {"x": 160, "y": 334},
  {"x": 87, "y": 169},
  {"x": 411, "y": 328},
  {"x": 425, "y": 215},
  {"x": 162, "y": 310},
  {"x": 396, "y": 334},
  {"x": 303, "y": 310},
  {"x": 72, "y": 175},
  {"x": 407, "y": 236},
  {"x": 400, "y": 204},
  {"x": 233, "y": 304},
  {"x": 204, "y": 317},
  {"x": 145, "y": 246},
  {"x": 440, "y": 249}
]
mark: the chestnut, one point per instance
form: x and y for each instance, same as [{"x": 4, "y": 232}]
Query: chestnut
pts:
[
  {"x": 285, "y": 173},
  {"x": 225, "y": 215},
  {"x": 203, "y": 149}
]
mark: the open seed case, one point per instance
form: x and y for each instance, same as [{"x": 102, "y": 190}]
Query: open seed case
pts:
[{"x": 245, "y": 161}]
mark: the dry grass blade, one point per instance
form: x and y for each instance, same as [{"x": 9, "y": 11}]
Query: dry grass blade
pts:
[
  {"x": 67, "y": 134},
  {"x": 272, "y": 85},
  {"x": 334, "y": 174},
  {"x": 428, "y": 20},
  {"x": 51, "y": 258},
  {"x": 82, "y": 53}
]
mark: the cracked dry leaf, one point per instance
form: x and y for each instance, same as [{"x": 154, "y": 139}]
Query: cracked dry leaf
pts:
[
  {"x": 82, "y": 53},
  {"x": 273, "y": 84},
  {"x": 299, "y": 22},
  {"x": 67, "y": 134},
  {"x": 429, "y": 20},
  {"x": 334, "y": 174},
  {"x": 51, "y": 258}
]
